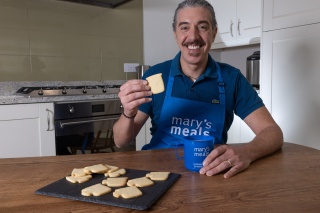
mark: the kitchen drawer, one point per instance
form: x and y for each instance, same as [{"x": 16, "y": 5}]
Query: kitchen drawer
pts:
[{"x": 18, "y": 111}]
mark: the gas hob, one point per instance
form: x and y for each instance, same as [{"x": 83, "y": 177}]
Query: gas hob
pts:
[{"x": 68, "y": 90}]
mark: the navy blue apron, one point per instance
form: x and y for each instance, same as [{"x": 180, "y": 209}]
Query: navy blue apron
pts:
[{"x": 183, "y": 117}]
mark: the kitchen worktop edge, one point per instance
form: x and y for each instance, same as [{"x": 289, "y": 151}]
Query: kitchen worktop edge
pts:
[{"x": 8, "y": 90}]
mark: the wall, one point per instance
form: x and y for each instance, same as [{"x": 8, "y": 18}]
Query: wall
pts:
[
  {"x": 49, "y": 40},
  {"x": 235, "y": 56},
  {"x": 159, "y": 43}
]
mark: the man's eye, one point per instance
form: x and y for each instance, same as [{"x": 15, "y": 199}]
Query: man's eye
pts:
[
  {"x": 203, "y": 27},
  {"x": 183, "y": 28}
]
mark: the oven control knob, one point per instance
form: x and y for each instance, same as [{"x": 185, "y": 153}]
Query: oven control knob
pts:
[
  {"x": 84, "y": 90},
  {"x": 104, "y": 90},
  {"x": 71, "y": 109},
  {"x": 40, "y": 92},
  {"x": 64, "y": 91}
]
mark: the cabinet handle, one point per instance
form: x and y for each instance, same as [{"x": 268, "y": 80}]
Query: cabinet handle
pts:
[
  {"x": 239, "y": 21},
  {"x": 48, "y": 119},
  {"x": 231, "y": 26}
]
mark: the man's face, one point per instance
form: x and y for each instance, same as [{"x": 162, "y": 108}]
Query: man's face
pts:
[{"x": 194, "y": 34}]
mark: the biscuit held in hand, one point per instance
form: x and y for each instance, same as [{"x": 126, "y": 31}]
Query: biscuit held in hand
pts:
[
  {"x": 127, "y": 192},
  {"x": 156, "y": 83},
  {"x": 96, "y": 190}
]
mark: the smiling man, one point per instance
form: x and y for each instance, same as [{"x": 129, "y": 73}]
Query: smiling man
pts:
[{"x": 201, "y": 97}]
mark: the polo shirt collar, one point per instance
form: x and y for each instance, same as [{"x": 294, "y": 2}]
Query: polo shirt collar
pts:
[{"x": 211, "y": 70}]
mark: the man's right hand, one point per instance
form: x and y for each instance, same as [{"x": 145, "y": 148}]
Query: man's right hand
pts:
[{"x": 134, "y": 93}]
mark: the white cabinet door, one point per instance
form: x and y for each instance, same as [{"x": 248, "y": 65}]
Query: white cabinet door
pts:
[
  {"x": 234, "y": 131},
  {"x": 46, "y": 129},
  {"x": 23, "y": 129},
  {"x": 291, "y": 63},
  {"x": 280, "y": 14},
  {"x": 249, "y": 14},
  {"x": 239, "y": 132},
  {"x": 226, "y": 15},
  {"x": 239, "y": 22}
]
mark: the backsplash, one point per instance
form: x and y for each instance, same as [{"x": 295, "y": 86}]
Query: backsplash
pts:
[{"x": 48, "y": 40}]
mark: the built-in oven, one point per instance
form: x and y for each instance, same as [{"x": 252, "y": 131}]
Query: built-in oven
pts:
[{"x": 79, "y": 125}]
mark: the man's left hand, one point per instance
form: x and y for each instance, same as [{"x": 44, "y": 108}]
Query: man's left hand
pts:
[{"x": 232, "y": 158}]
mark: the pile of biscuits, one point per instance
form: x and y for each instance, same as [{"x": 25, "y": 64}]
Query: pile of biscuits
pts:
[{"x": 130, "y": 188}]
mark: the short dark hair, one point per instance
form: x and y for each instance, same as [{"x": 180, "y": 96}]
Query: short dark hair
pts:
[{"x": 195, "y": 3}]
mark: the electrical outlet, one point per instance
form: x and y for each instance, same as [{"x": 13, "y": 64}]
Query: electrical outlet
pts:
[{"x": 130, "y": 67}]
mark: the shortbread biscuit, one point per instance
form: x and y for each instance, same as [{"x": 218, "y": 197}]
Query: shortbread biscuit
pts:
[
  {"x": 96, "y": 190},
  {"x": 156, "y": 83},
  {"x": 158, "y": 175},
  {"x": 112, "y": 168},
  {"x": 99, "y": 168},
  {"x": 74, "y": 179},
  {"x": 140, "y": 182},
  {"x": 117, "y": 173},
  {"x": 115, "y": 182},
  {"x": 127, "y": 192},
  {"x": 79, "y": 172}
]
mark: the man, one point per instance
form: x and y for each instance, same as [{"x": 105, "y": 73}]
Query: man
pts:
[{"x": 201, "y": 90}]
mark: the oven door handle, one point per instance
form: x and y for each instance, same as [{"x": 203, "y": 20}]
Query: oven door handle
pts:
[{"x": 63, "y": 124}]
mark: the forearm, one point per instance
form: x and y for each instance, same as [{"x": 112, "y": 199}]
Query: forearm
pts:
[
  {"x": 123, "y": 131},
  {"x": 266, "y": 142}
]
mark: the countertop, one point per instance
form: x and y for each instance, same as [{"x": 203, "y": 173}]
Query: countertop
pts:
[
  {"x": 286, "y": 181},
  {"x": 8, "y": 89}
]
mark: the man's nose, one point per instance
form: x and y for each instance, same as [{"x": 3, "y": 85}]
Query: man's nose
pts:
[{"x": 193, "y": 33}]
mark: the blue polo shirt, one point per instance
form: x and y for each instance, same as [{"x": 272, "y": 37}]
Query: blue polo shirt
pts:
[{"x": 241, "y": 97}]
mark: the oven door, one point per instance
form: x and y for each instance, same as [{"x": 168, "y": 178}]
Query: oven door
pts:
[
  {"x": 84, "y": 134},
  {"x": 84, "y": 125}
]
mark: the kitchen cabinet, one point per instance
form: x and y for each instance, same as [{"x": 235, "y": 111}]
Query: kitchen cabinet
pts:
[
  {"x": 144, "y": 136},
  {"x": 239, "y": 22},
  {"x": 239, "y": 132},
  {"x": 290, "y": 81},
  {"x": 279, "y": 14},
  {"x": 27, "y": 130}
]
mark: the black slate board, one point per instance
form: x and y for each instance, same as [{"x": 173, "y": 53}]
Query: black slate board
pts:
[{"x": 64, "y": 189}]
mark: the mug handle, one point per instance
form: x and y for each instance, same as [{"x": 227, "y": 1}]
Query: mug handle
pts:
[{"x": 177, "y": 154}]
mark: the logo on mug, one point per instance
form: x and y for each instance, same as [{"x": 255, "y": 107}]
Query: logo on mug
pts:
[{"x": 201, "y": 152}]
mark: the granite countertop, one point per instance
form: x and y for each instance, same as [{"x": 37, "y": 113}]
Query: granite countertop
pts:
[{"x": 8, "y": 90}]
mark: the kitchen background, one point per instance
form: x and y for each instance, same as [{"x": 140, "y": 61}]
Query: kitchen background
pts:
[{"x": 50, "y": 40}]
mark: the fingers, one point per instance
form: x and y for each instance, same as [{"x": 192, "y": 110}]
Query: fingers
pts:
[
  {"x": 234, "y": 170},
  {"x": 225, "y": 158},
  {"x": 224, "y": 165},
  {"x": 134, "y": 93},
  {"x": 213, "y": 158}
]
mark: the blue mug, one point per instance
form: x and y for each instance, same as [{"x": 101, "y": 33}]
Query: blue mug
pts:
[{"x": 196, "y": 149}]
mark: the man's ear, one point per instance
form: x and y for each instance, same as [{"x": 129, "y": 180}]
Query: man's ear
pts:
[
  {"x": 175, "y": 36},
  {"x": 215, "y": 31}
]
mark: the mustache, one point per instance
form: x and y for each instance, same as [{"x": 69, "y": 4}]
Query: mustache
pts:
[{"x": 195, "y": 43}]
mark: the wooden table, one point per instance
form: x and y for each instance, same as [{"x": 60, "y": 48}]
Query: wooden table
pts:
[{"x": 287, "y": 181}]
